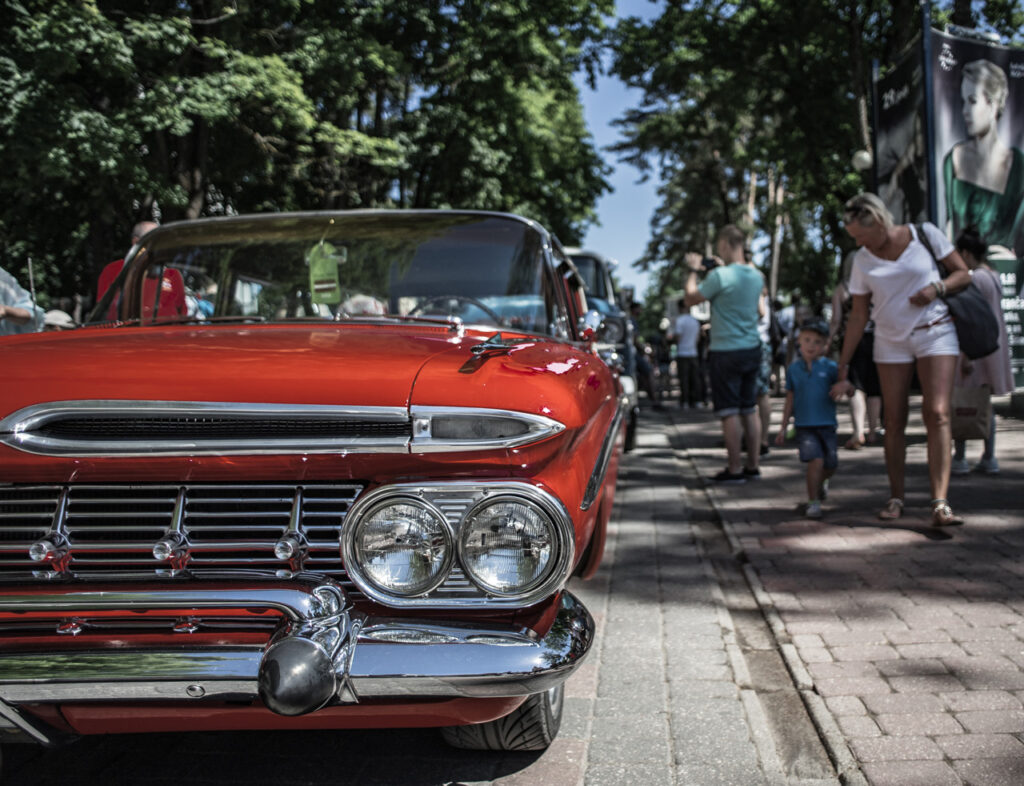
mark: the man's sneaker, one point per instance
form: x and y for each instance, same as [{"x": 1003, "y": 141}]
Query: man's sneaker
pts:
[
  {"x": 823, "y": 491},
  {"x": 959, "y": 466},
  {"x": 751, "y": 472},
  {"x": 725, "y": 476},
  {"x": 765, "y": 450},
  {"x": 988, "y": 466},
  {"x": 813, "y": 510}
]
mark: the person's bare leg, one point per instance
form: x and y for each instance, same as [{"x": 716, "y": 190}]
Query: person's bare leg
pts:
[
  {"x": 874, "y": 414},
  {"x": 895, "y": 380},
  {"x": 764, "y": 413},
  {"x": 858, "y": 409},
  {"x": 752, "y": 427},
  {"x": 815, "y": 475},
  {"x": 936, "y": 375},
  {"x": 732, "y": 431}
]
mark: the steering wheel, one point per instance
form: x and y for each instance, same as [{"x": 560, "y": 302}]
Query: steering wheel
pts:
[{"x": 460, "y": 299}]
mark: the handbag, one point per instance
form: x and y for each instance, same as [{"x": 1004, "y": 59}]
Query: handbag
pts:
[
  {"x": 971, "y": 412},
  {"x": 977, "y": 328}
]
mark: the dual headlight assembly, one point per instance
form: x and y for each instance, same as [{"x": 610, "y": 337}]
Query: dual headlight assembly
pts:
[{"x": 481, "y": 544}]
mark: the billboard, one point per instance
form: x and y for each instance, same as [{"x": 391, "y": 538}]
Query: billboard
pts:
[
  {"x": 978, "y": 159},
  {"x": 901, "y": 155}
]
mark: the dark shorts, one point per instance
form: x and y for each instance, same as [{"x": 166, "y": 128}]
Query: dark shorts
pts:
[
  {"x": 734, "y": 380},
  {"x": 818, "y": 442},
  {"x": 863, "y": 374}
]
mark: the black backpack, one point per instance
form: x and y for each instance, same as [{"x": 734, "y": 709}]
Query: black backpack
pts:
[{"x": 977, "y": 328}]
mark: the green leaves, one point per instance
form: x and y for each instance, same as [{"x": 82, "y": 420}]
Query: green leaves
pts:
[{"x": 116, "y": 111}]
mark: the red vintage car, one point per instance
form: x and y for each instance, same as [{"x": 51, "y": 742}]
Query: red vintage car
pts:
[{"x": 346, "y": 490}]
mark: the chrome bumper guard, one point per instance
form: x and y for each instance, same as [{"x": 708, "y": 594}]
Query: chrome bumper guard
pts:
[{"x": 323, "y": 653}]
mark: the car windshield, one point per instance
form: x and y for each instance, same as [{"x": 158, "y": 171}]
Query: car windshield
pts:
[{"x": 480, "y": 268}]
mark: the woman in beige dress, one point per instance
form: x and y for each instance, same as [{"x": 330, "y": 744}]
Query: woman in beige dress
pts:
[{"x": 993, "y": 370}]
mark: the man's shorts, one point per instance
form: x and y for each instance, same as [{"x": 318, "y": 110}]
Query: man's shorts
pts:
[
  {"x": 938, "y": 339},
  {"x": 818, "y": 442},
  {"x": 734, "y": 380}
]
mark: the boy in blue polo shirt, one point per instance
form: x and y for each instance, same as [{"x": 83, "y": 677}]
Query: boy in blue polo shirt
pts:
[{"x": 808, "y": 380}]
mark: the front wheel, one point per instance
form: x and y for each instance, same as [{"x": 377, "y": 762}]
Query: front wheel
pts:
[{"x": 532, "y": 726}]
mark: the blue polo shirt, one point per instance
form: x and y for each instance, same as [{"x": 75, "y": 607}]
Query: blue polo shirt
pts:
[{"x": 812, "y": 404}]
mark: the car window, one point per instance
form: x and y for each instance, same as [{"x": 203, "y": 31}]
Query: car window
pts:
[{"x": 482, "y": 269}]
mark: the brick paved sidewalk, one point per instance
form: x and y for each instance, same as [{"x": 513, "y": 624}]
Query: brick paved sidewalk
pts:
[{"x": 914, "y": 638}]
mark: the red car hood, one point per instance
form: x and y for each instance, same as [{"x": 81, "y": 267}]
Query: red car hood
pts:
[{"x": 352, "y": 365}]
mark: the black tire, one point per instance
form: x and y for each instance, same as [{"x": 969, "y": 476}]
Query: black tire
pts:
[{"x": 532, "y": 726}]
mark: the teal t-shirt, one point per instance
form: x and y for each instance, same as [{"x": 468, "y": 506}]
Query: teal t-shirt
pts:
[{"x": 733, "y": 291}]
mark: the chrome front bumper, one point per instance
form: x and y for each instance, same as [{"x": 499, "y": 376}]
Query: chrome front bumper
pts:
[{"x": 322, "y": 653}]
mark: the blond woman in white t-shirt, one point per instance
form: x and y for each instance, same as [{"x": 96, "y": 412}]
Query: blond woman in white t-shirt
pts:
[{"x": 895, "y": 277}]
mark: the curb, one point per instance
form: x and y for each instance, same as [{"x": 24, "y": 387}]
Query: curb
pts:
[{"x": 847, "y": 768}]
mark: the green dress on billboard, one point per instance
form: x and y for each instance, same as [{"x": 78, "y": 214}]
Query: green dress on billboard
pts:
[{"x": 999, "y": 218}]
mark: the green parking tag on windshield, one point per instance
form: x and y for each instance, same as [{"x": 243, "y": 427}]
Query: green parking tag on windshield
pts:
[{"x": 323, "y": 259}]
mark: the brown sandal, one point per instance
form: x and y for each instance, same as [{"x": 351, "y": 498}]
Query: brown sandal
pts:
[
  {"x": 943, "y": 515},
  {"x": 893, "y": 510}
]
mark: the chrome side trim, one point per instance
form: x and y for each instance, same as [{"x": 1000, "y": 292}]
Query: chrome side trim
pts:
[
  {"x": 605, "y": 456},
  {"x": 423, "y": 441},
  {"x": 22, "y": 429},
  {"x": 391, "y": 659},
  {"x": 456, "y": 500},
  {"x": 18, "y": 430}
]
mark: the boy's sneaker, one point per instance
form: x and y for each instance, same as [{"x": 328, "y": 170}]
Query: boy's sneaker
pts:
[
  {"x": 751, "y": 473},
  {"x": 959, "y": 466},
  {"x": 725, "y": 476},
  {"x": 823, "y": 491},
  {"x": 813, "y": 510},
  {"x": 988, "y": 466}
]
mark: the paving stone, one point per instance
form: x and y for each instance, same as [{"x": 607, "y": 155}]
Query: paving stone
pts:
[
  {"x": 932, "y": 683},
  {"x": 858, "y": 726},
  {"x": 865, "y": 652},
  {"x": 991, "y": 772},
  {"x": 981, "y": 700},
  {"x": 846, "y": 705},
  {"x": 981, "y": 746},
  {"x": 901, "y": 703},
  {"x": 911, "y": 668},
  {"x": 925, "y": 724},
  {"x": 911, "y": 773},
  {"x": 992, "y": 721},
  {"x": 852, "y": 686},
  {"x": 824, "y": 671},
  {"x": 634, "y": 772},
  {"x": 895, "y": 748}
]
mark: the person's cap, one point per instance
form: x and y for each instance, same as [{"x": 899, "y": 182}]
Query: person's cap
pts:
[
  {"x": 817, "y": 325},
  {"x": 58, "y": 319}
]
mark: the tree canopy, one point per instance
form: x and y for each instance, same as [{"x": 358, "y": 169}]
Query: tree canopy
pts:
[
  {"x": 118, "y": 110},
  {"x": 751, "y": 112}
]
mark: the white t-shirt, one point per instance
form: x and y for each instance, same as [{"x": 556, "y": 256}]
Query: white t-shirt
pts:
[
  {"x": 687, "y": 331},
  {"x": 891, "y": 283}
]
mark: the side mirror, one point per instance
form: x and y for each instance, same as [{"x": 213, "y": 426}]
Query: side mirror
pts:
[{"x": 589, "y": 325}]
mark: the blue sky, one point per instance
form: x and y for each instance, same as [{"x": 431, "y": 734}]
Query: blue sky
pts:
[{"x": 624, "y": 214}]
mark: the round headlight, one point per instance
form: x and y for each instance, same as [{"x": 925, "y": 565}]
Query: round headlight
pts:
[
  {"x": 403, "y": 547},
  {"x": 507, "y": 546},
  {"x": 614, "y": 331}
]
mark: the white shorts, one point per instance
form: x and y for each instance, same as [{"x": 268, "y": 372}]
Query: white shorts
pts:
[{"x": 938, "y": 339}]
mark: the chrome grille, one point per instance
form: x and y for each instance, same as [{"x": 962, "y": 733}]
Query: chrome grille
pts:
[{"x": 111, "y": 529}]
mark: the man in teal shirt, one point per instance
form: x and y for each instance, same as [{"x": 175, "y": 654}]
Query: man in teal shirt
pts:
[{"x": 733, "y": 288}]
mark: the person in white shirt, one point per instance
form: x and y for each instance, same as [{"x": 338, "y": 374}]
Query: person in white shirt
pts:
[
  {"x": 686, "y": 332},
  {"x": 896, "y": 276}
]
